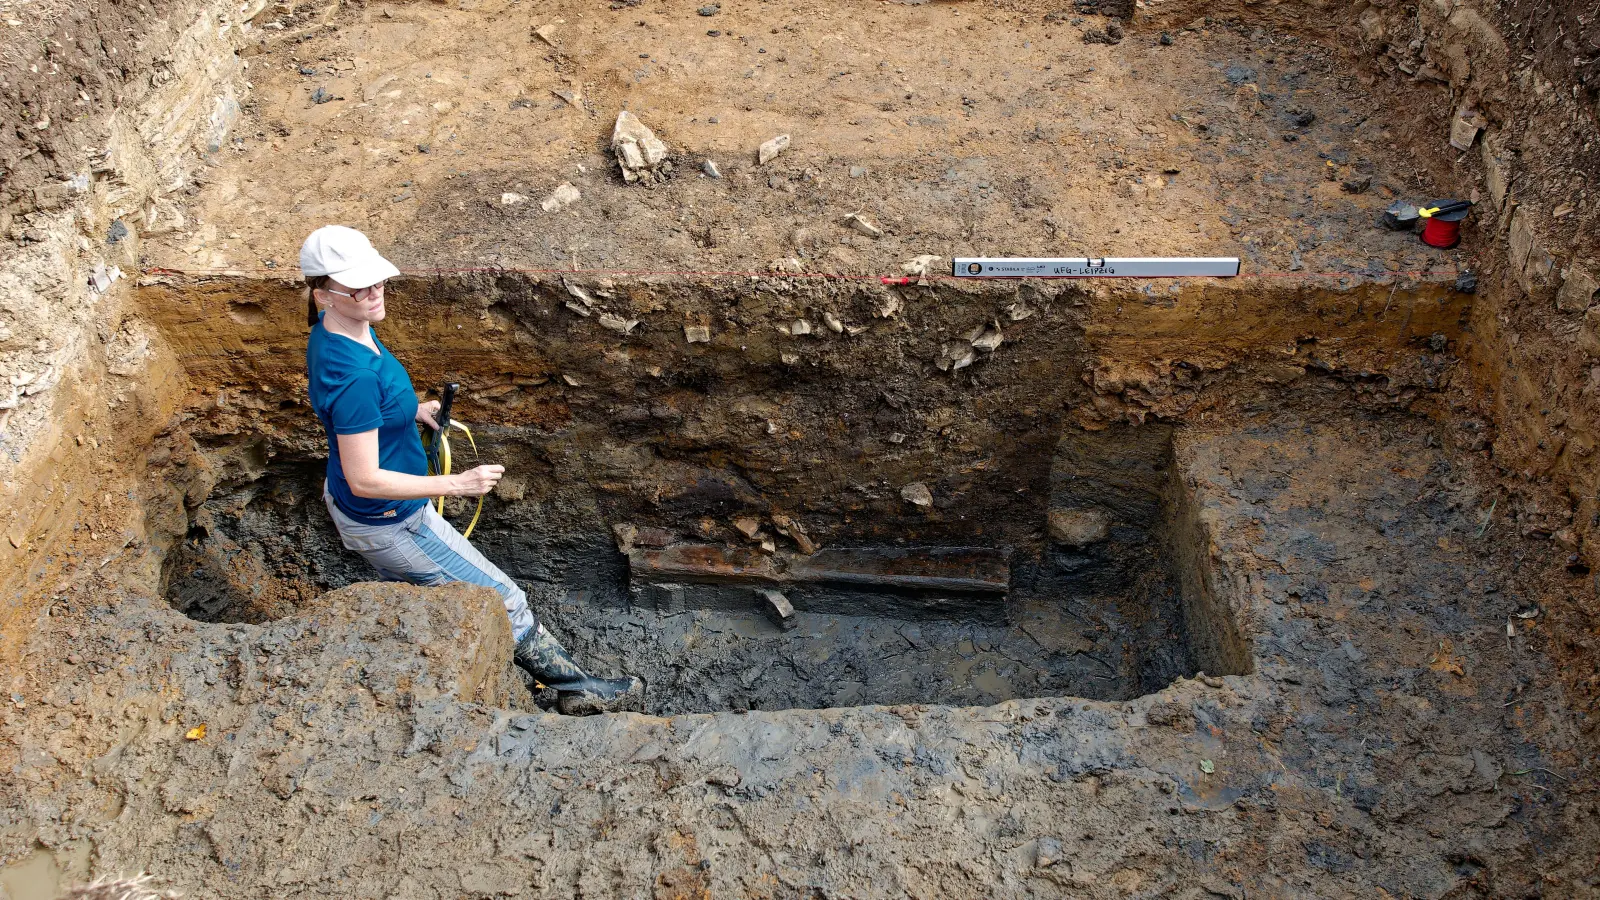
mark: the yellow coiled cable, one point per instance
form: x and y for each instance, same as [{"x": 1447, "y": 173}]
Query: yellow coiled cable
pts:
[{"x": 443, "y": 437}]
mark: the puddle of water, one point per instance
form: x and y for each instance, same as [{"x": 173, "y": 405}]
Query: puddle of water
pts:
[{"x": 37, "y": 877}]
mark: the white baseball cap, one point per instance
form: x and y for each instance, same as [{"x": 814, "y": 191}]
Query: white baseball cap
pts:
[{"x": 346, "y": 255}]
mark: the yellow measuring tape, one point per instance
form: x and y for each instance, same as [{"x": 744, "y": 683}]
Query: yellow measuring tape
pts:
[{"x": 443, "y": 437}]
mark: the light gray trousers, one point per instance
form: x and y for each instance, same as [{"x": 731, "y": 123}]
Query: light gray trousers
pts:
[{"x": 425, "y": 549}]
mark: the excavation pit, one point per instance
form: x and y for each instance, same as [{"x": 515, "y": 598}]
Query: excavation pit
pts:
[
  {"x": 899, "y": 624},
  {"x": 913, "y": 564}
]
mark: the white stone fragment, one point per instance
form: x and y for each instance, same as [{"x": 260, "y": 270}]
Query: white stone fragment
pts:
[
  {"x": 617, "y": 323},
  {"x": 989, "y": 339},
  {"x": 862, "y": 226},
  {"x": 640, "y": 153},
  {"x": 769, "y": 150},
  {"x": 563, "y": 196}
]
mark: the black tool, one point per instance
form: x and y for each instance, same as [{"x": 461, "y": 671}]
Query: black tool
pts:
[{"x": 447, "y": 398}]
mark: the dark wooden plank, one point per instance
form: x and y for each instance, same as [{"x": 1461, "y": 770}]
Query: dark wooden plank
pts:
[{"x": 965, "y": 569}]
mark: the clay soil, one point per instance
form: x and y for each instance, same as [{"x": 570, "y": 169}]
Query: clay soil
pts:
[{"x": 1319, "y": 649}]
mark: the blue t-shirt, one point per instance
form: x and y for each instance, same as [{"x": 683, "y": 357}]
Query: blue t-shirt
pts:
[{"x": 354, "y": 390}]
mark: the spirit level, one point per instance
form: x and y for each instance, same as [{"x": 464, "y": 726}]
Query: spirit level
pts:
[{"x": 1094, "y": 267}]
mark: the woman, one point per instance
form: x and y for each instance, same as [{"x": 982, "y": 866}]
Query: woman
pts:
[{"x": 377, "y": 485}]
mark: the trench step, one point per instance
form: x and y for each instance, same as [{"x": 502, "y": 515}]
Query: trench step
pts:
[{"x": 961, "y": 569}]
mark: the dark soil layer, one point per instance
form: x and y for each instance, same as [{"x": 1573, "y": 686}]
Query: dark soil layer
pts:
[{"x": 1101, "y": 623}]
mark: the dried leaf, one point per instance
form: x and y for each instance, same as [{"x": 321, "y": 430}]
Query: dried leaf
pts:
[
  {"x": 1207, "y": 766},
  {"x": 196, "y": 733}
]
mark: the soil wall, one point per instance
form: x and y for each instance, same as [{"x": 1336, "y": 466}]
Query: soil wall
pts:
[{"x": 113, "y": 110}]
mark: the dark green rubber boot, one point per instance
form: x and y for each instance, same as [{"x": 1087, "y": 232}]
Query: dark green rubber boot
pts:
[{"x": 578, "y": 692}]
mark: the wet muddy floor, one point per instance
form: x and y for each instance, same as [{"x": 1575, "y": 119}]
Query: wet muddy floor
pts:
[{"x": 1073, "y": 623}]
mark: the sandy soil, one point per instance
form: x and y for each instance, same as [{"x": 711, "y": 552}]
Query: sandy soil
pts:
[{"x": 951, "y": 127}]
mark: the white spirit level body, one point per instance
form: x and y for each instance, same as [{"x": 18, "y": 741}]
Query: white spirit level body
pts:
[{"x": 1095, "y": 267}]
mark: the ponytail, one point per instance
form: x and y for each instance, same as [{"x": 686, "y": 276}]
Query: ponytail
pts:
[{"x": 314, "y": 283}]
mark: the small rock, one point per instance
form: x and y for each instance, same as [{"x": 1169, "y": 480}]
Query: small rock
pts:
[
  {"x": 546, "y": 33},
  {"x": 1464, "y": 128},
  {"x": 801, "y": 326},
  {"x": 769, "y": 150},
  {"x": 858, "y": 171},
  {"x": 920, "y": 266},
  {"x": 862, "y": 226},
  {"x": 1077, "y": 527},
  {"x": 833, "y": 323},
  {"x": 1580, "y": 290},
  {"x": 617, "y": 323},
  {"x": 1166, "y": 39},
  {"x": 778, "y": 607},
  {"x": 1357, "y": 185},
  {"x": 917, "y": 494},
  {"x": 563, "y": 196},
  {"x": 1046, "y": 852},
  {"x": 1467, "y": 283},
  {"x": 697, "y": 334},
  {"x": 710, "y": 9},
  {"x": 789, "y": 359},
  {"x": 955, "y": 356},
  {"x": 320, "y": 96},
  {"x": 710, "y": 168},
  {"x": 1300, "y": 118},
  {"x": 897, "y": 438},
  {"x": 749, "y": 526},
  {"x": 792, "y": 529},
  {"x": 580, "y": 293},
  {"x": 989, "y": 338},
  {"x": 569, "y": 97},
  {"x": 625, "y": 533},
  {"x": 116, "y": 232},
  {"x": 511, "y": 199},
  {"x": 1566, "y": 539},
  {"x": 642, "y": 156}
]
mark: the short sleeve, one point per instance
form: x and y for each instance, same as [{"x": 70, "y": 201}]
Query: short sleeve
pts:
[{"x": 355, "y": 405}]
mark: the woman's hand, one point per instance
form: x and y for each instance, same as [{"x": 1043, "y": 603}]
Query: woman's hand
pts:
[
  {"x": 477, "y": 482},
  {"x": 426, "y": 413}
]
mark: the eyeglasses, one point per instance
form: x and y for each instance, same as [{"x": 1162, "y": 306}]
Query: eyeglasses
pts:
[{"x": 360, "y": 293}]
